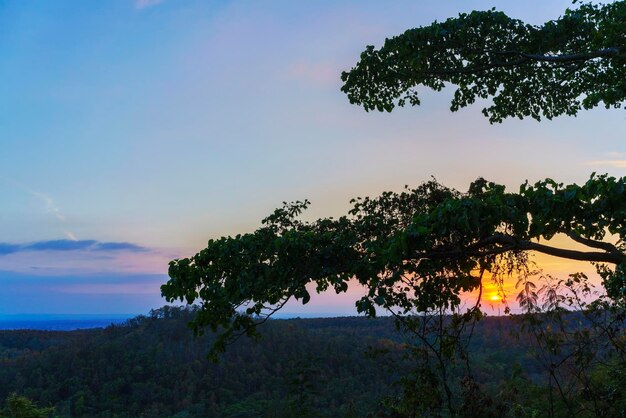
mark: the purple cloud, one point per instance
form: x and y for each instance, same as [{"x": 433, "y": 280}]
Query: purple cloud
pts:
[
  {"x": 59, "y": 245},
  {"x": 70, "y": 245},
  {"x": 6, "y": 248},
  {"x": 117, "y": 246}
]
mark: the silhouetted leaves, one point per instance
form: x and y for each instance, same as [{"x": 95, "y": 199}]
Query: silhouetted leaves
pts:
[{"x": 575, "y": 62}]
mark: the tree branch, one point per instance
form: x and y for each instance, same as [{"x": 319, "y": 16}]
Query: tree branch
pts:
[
  {"x": 593, "y": 256},
  {"x": 501, "y": 243},
  {"x": 606, "y": 246}
]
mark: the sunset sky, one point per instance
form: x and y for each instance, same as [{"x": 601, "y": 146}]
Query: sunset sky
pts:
[{"x": 132, "y": 131}]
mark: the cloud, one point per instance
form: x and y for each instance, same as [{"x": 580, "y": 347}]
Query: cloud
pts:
[
  {"x": 49, "y": 204},
  {"x": 70, "y": 245},
  {"x": 609, "y": 163},
  {"x": 144, "y": 4},
  {"x": 50, "y": 207},
  {"x": 8, "y": 248},
  {"x": 117, "y": 246},
  {"x": 611, "y": 159},
  {"x": 59, "y": 245}
]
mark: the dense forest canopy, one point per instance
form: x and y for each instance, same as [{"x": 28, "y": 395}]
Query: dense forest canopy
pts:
[
  {"x": 335, "y": 367},
  {"x": 153, "y": 367},
  {"x": 575, "y": 62}
]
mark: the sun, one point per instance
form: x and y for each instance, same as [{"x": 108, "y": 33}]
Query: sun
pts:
[{"x": 495, "y": 298}]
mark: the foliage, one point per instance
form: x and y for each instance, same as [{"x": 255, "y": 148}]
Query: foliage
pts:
[
  {"x": 414, "y": 251},
  {"x": 575, "y": 62},
  {"x": 154, "y": 367},
  {"x": 22, "y": 407},
  {"x": 583, "y": 354}
]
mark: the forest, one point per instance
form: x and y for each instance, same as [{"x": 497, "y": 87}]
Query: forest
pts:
[{"x": 152, "y": 366}]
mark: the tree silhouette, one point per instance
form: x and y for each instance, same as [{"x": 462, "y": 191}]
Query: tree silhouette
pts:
[
  {"x": 415, "y": 251},
  {"x": 574, "y": 62}
]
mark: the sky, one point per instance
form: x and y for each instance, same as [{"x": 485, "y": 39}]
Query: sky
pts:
[{"x": 132, "y": 131}]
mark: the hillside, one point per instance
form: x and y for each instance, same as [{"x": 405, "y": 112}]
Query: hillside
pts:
[{"x": 152, "y": 366}]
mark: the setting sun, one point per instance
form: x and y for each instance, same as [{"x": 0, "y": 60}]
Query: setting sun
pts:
[{"x": 495, "y": 298}]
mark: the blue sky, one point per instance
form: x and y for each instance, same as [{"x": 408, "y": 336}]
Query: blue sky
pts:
[{"x": 131, "y": 132}]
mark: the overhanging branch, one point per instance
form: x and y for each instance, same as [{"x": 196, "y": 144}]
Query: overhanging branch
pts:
[
  {"x": 606, "y": 246},
  {"x": 502, "y": 243},
  {"x": 592, "y": 256}
]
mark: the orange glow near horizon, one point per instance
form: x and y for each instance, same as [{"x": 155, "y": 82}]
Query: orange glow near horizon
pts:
[{"x": 494, "y": 296}]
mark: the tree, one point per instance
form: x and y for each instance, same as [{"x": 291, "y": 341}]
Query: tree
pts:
[
  {"x": 415, "y": 251},
  {"x": 575, "y": 62},
  {"x": 22, "y": 407}
]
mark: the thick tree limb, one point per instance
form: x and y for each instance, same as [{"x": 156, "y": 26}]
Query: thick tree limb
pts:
[
  {"x": 592, "y": 256},
  {"x": 501, "y": 243},
  {"x": 595, "y": 244}
]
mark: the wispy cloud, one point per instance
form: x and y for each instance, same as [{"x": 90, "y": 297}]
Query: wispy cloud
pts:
[
  {"x": 53, "y": 209},
  {"x": 119, "y": 246},
  {"x": 144, "y": 4},
  {"x": 70, "y": 245},
  {"x": 619, "y": 163},
  {"x": 49, "y": 205},
  {"x": 611, "y": 159},
  {"x": 59, "y": 245}
]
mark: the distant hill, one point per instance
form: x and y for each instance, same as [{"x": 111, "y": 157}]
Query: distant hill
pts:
[
  {"x": 59, "y": 322},
  {"x": 152, "y": 366}
]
